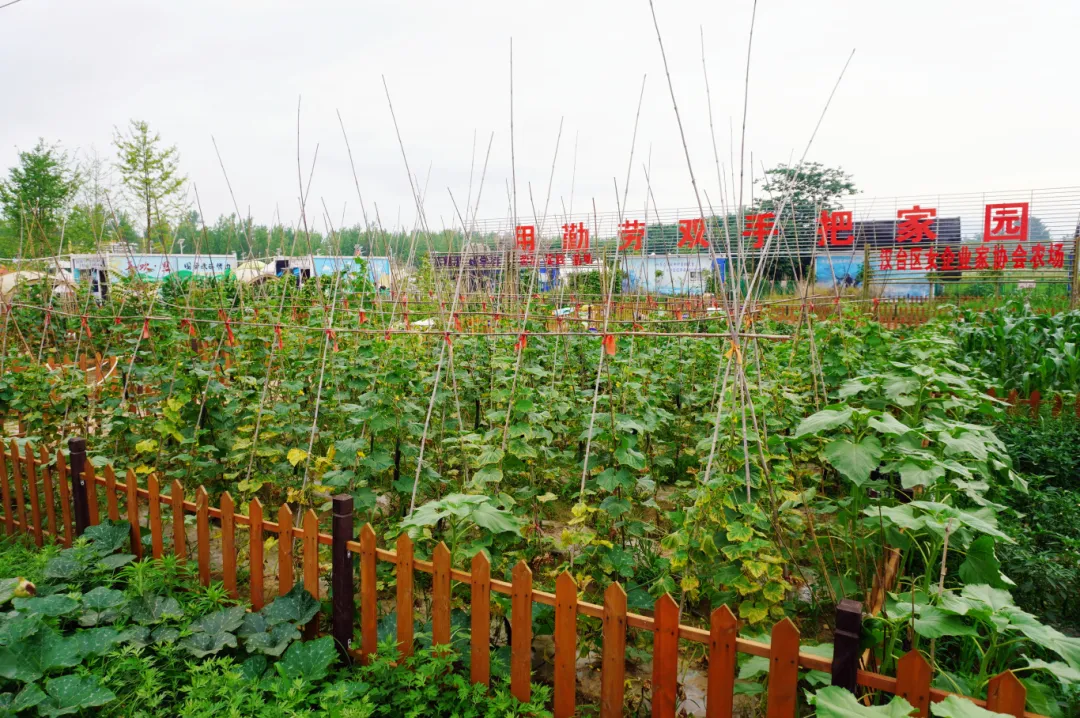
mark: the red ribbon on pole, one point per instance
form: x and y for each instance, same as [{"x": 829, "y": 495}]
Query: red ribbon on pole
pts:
[
  {"x": 446, "y": 336},
  {"x": 86, "y": 327},
  {"x": 117, "y": 319},
  {"x": 363, "y": 317},
  {"x": 457, "y": 322},
  {"x": 48, "y": 318},
  {"x": 522, "y": 342},
  {"x": 609, "y": 344},
  {"x": 332, "y": 337},
  {"x": 146, "y": 329},
  {"x": 228, "y": 329},
  {"x": 277, "y": 333}
]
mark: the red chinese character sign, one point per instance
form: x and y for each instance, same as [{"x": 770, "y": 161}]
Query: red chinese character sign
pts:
[
  {"x": 525, "y": 237},
  {"x": 631, "y": 234},
  {"x": 759, "y": 226},
  {"x": 916, "y": 224},
  {"x": 1057, "y": 256},
  {"x": 575, "y": 237},
  {"x": 1002, "y": 222},
  {"x": 692, "y": 233},
  {"x": 830, "y": 227},
  {"x": 575, "y": 240},
  {"x": 1006, "y": 222}
]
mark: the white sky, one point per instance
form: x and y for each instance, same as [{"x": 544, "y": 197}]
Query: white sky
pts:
[{"x": 942, "y": 96}]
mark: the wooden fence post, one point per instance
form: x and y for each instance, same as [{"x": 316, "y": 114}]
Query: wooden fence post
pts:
[
  {"x": 1006, "y": 694},
  {"x": 665, "y": 682},
  {"x": 723, "y": 640},
  {"x": 343, "y": 614},
  {"x": 47, "y": 487},
  {"x": 404, "y": 574},
  {"x": 311, "y": 566},
  {"x": 565, "y": 645},
  {"x": 228, "y": 543},
  {"x": 913, "y": 682},
  {"x": 255, "y": 552},
  {"x": 30, "y": 472},
  {"x": 521, "y": 632},
  {"x": 783, "y": 689},
  {"x": 5, "y": 494},
  {"x": 480, "y": 626},
  {"x": 202, "y": 534},
  {"x": 132, "y": 506},
  {"x": 613, "y": 656},
  {"x": 285, "y": 552},
  {"x": 846, "y": 637},
  {"x": 369, "y": 612},
  {"x": 440, "y": 595},
  {"x": 77, "y": 450}
]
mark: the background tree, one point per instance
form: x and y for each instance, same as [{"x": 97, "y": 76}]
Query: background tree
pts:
[
  {"x": 814, "y": 188},
  {"x": 91, "y": 210},
  {"x": 150, "y": 174},
  {"x": 1038, "y": 231},
  {"x": 36, "y": 196}
]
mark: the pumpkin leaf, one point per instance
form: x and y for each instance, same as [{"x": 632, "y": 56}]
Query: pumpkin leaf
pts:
[{"x": 309, "y": 661}]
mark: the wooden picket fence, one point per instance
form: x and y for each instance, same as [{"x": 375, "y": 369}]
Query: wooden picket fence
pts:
[
  {"x": 1033, "y": 404},
  {"x": 67, "y": 495},
  {"x": 892, "y": 313}
]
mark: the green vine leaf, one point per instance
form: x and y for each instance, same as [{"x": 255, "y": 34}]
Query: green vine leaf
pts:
[{"x": 855, "y": 462}]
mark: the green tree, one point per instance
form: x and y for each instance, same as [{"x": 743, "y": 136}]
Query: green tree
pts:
[
  {"x": 150, "y": 174},
  {"x": 91, "y": 209},
  {"x": 36, "y": 195},
  {"x": 810, "y": 189},
  {"x": 1038, "y": 231}
]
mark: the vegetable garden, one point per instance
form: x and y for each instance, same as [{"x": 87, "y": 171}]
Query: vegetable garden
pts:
[{"x": 820, "y": 510}]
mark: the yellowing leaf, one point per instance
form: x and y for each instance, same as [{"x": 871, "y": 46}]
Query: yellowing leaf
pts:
[
  {"x": 144, "y": 469},
  {"x": 739, "y": 532},
  {"x": 753, "y": 612},
  {"x": 773, "y": 591},
  {"x": 756, "y": 569},
  {"x": 146, "y": 446},
  {"x": 295, "y": 456}
]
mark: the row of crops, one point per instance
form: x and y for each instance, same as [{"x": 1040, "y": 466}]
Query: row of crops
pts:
[{"x": 631, "y": 454}]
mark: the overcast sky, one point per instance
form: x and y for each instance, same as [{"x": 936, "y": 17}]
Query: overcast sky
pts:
[{"x": 942, "y": 96}]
